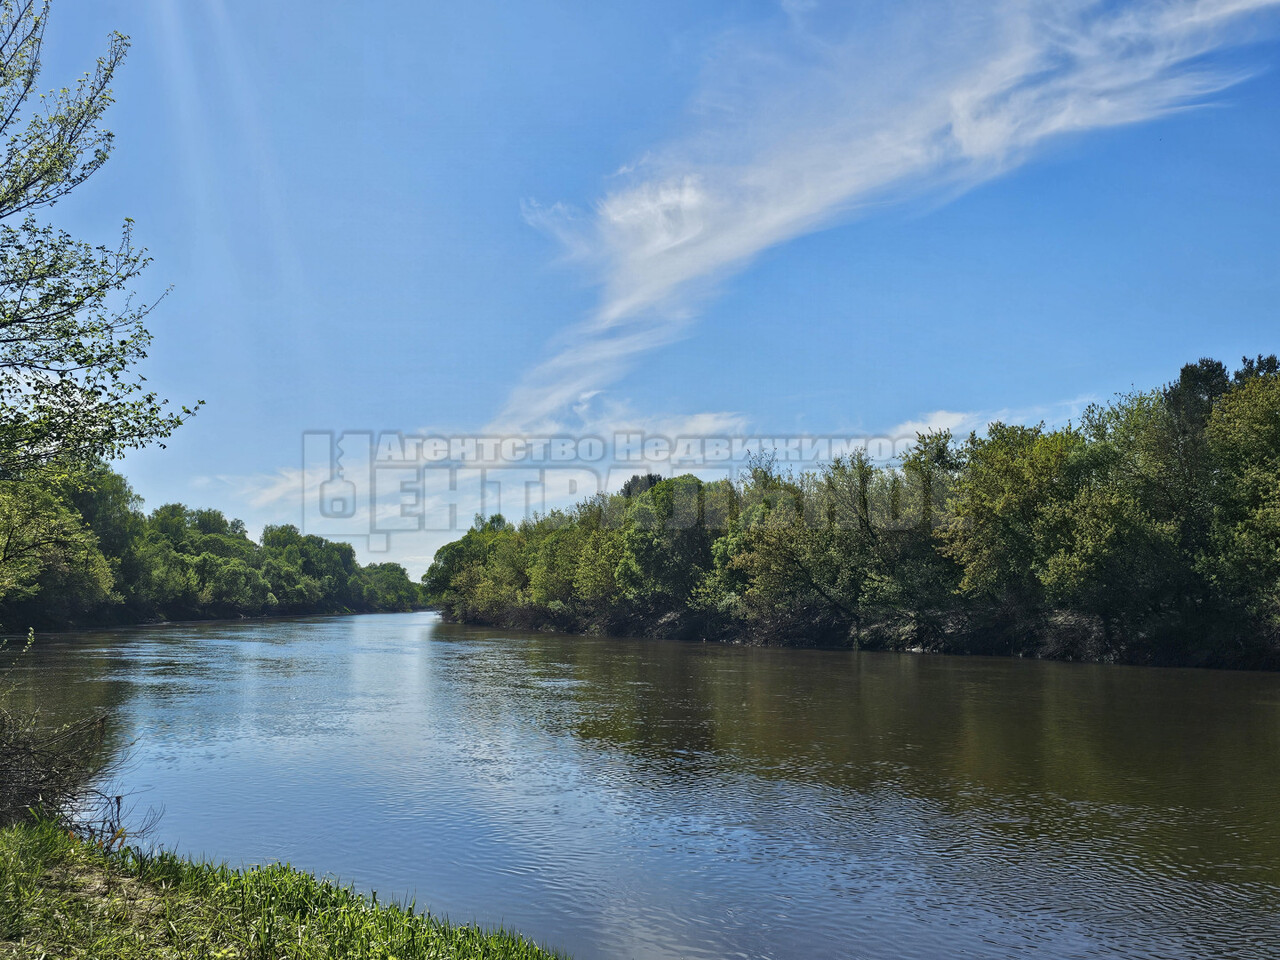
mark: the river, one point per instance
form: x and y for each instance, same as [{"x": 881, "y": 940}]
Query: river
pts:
[{"x": 653, "y": 800}]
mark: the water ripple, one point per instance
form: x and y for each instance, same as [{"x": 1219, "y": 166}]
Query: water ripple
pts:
[{"x": 630, "y": 799}]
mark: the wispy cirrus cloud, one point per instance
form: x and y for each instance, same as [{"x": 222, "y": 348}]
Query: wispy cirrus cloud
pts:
[{"x": 829, "y": 112}]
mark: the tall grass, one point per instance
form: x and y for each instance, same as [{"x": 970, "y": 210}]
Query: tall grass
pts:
[{"x": 61, "y": 896}]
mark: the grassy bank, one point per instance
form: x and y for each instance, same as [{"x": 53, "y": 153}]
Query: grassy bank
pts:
[{"x": 63, "y": 898}]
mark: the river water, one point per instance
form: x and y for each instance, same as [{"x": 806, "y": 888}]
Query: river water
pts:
[{"x": 644, "y": 799}]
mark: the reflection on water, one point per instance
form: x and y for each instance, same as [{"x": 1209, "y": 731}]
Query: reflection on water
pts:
[{"x": 631, "y": 799}]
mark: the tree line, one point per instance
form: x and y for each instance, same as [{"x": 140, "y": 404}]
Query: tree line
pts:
[
  {"x": 1148, "y": 532},
  {"x": 78, "y": 550}
]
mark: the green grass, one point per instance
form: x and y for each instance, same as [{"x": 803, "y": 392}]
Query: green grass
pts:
[{"x": 61, "y": 897}]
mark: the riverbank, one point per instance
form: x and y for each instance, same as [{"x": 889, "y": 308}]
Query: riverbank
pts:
[
  {"x": 63, "y": 897},
  {"x": 207, "y": 621},
  {"x": 1041, "y": 635}
]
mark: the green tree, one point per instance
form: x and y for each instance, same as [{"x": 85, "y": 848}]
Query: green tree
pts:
[
  {"x": 230, "y": 587},
  {"x": 1007, "y": 521},
  {"x": 1244, "y": 438},
  {"x": 1110, "y": 559},
  {"x": 666, "y": 544},
  {"x": 555, "y": 561},
  {"x": 595, "y": 579},
  {"x": 41, "y": 538},
  {"x": 387, "y": 587},
  {"x": 70, "y": 334}
]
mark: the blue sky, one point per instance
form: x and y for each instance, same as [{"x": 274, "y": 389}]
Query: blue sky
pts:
[{"x": 758, "y": 216}]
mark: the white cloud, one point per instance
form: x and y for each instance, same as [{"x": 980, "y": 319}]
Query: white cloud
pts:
[
  {"x": 798, "y": 8},
  {"x": 1053, "y": 416},
  {"x": 283, "y": 488},
  {"x": 798, "y": 130},
  {"x": 952, "y": 420}
]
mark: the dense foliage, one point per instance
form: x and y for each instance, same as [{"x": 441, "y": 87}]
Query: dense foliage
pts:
[
  {"x": 80, "y": 551},
  {"x": 1148, "y": 532}
]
